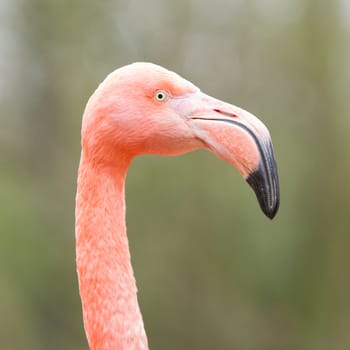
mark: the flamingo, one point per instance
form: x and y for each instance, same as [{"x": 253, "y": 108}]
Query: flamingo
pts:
[{"x": 143, "y": 108}]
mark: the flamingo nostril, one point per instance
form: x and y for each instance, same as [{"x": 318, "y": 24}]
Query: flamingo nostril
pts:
[{"x": 227, "y": 114}]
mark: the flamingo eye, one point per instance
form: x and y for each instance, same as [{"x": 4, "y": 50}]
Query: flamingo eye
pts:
[{"x": 161, "y": 95}]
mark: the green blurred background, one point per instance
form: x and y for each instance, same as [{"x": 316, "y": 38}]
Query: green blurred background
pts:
[{"x": 212, "y": 271}]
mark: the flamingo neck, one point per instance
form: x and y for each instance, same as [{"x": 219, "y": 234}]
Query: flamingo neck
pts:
[{"x": 112, "y": 318}]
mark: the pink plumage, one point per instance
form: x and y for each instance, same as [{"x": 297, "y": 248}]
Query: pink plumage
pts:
[{"x": 143, "y": 108}]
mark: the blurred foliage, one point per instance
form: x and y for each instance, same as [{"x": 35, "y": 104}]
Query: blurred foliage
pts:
[{"x": 212, "y": 272}]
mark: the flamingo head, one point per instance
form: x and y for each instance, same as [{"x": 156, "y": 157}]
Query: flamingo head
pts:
[{"x": 143, "y": 108}]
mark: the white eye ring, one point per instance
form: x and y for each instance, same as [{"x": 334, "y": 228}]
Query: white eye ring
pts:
[{"x": 161, "y": 95}]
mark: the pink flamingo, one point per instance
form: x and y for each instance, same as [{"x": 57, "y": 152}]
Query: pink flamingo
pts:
[{"x": 143, "y": 108}]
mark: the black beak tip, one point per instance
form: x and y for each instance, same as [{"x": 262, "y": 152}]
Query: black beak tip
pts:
[
  {"x": 271, "y": 212},
  {"x": 266, "y": 190}
]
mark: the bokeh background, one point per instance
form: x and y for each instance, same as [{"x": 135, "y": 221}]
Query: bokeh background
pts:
[{"x": 212, "y": 271}]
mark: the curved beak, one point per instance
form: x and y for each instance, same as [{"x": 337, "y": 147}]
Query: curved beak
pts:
[{"x": 239, "y": 138}]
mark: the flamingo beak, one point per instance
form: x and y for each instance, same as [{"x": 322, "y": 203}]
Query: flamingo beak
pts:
[{"x": 241, "y": 139}]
